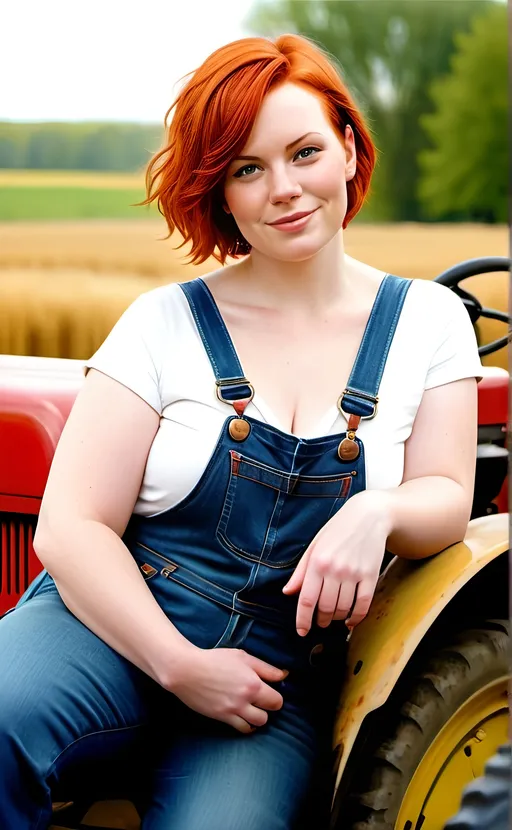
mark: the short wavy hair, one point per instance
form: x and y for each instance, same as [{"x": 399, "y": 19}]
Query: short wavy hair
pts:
[{"x": 213, "y": 117}]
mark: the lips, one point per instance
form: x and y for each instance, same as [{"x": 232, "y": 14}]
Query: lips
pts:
[{"x": 292, "y": 218}]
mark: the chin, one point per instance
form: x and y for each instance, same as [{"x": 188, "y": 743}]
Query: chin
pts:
[{"x": 302, "y": 249}]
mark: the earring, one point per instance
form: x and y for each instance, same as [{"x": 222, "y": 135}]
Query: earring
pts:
[{"x": 242, "y": 247}]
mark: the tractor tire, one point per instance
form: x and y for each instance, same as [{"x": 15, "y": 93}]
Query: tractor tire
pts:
[
  {"x": 430, "y": 697},
  {"x": 486, "y": 801}
]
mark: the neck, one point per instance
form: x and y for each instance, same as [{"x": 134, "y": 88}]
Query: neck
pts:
[{"x": 310, "y": 286}]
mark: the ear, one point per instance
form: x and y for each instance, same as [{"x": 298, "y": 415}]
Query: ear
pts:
[
  {"x": 350, "y": 153},
  {"x": 225, "y": 208}
]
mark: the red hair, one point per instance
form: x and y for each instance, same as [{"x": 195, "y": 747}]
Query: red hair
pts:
[{"x": 213, "y": 118}]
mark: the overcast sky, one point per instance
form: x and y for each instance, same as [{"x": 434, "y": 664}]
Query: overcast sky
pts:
[{"x": 108, "y": 60}]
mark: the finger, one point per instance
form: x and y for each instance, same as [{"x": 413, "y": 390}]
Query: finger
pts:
[
  {"x": 327, "y": 601},
  {"x": 254, "y": 716},
  {"x": 240, "y": 724},
  {"x": 346, "y": 599},
  {"x": 365, "y": 592},
  {"x": 294, "y": 584},
  {"x": 268, "y": 698},
  {"x": 265, "y": 670},
  {"x": 308, "y": 599}
]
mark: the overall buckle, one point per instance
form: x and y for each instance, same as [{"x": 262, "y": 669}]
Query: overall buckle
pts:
[
  {"x": 245, "y": 391},
  {"x": 370, "y": 400}
]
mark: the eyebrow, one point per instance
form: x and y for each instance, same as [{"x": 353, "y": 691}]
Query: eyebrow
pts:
[{"x": 288, "y": 147}]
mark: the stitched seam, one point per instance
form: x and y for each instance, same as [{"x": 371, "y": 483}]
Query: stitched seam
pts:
[
  {"x": 366, "y": 332},
  {"x": 262, "y": 483},
  {"x": 252, "y": 557},
  {"x": 243, "y": 459},
  {"x": 280, "y": 502},
  {"x": 91, "y": 735},
  {"x": 224, "y": 604},
  {"x": 182, "y": 568},
  {"x": 222, "y": 525},
  {"x": 201, "y": 332},
  {"x": 224, "y": 632},
  {"x": 215, "y": 309},
  {"x": 391, "y": 333},
  {"x": 344, "y": 495}
]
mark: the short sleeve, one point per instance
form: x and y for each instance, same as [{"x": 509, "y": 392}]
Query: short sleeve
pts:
[
  {"x": 131, "y": 352},
  {"x": 456, "y": 353}
]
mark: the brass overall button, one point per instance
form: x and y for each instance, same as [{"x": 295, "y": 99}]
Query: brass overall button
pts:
[
  {"x": 239, "y": 429},
  {"x": 348, "y": 450}
]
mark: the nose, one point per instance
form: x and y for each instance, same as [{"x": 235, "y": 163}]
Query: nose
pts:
[{"x": 283, "y": 187}]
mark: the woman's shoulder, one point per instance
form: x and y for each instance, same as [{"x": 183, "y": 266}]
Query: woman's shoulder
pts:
[
  {"x": 429, "y": 299},
  {"x": 163, "y": 308},
  {"x": 160, "y": 297}
]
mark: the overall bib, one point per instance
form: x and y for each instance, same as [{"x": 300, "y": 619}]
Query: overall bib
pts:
[{"x": 216, "y": 564}]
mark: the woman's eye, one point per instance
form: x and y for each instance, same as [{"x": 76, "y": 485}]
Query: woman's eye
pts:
[
  {"x": 249, "y": 168},
  {"x": 242, "y": 172},
  {"x": 308, "y": 150}
]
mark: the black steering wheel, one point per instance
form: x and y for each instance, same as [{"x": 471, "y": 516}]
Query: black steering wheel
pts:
[{"x": 472, "y": 268}]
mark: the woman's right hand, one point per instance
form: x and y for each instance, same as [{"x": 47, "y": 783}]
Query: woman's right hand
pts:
[{"x": 227, "y": 684}]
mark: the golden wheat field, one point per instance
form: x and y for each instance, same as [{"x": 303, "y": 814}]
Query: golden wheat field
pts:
[
  {"x": 70, "y": 178},
  {"x": 64, "y": 284}
]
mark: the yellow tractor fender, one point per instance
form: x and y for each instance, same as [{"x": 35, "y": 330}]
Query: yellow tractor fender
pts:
[{"x": 410, "y": 595}]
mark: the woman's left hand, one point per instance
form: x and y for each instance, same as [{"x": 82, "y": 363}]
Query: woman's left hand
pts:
[{"x": 338, "y": 572}]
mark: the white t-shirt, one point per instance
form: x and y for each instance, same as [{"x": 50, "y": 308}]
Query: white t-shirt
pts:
[{"x": 155, "y": 350}]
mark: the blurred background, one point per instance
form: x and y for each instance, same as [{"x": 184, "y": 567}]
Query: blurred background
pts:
[{"x": 82, "y": 112}]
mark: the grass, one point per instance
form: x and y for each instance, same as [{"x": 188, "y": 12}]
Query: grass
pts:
[
  {"x": 60, "y": 203},
  {"x": 75, "y": 194}
]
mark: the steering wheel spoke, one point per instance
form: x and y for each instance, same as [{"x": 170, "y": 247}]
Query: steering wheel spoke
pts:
[{"x": 472, "y": 268}]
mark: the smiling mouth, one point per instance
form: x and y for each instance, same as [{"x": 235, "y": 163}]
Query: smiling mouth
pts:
[
  {"x": 296, "y": 218},
  {"x": 293, "y": 225}
]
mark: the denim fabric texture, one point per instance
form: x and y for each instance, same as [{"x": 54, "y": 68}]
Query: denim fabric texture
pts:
[{"x": 216, "y": 564}]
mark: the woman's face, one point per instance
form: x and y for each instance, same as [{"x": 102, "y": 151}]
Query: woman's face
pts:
[{"x": 298, "y": 164}]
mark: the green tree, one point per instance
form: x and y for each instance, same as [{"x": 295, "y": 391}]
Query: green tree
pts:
[
  {"x": 388, "y": 51},
  {"x": 465, "y": 173}
]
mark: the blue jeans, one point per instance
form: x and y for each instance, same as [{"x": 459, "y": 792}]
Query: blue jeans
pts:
[{"x": 67, "y": 699}]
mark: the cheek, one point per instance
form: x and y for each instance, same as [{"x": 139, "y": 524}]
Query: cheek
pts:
[
  {"x": 244, "y": 203},
  {"x": 333, "y": 184}
]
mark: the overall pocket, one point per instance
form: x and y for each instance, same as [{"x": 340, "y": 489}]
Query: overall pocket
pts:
[
  {"x": 200, "y": 609},
  {"x": 271, "y": 516}
]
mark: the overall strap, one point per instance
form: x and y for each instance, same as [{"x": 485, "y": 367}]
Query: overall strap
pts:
[
  {"x": 360, "y": 398},
  {"x": 232, "y": 385}
]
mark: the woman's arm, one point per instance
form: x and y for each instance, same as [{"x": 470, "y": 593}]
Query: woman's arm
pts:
[
  {"x": 90, "y": 494},
  {"x": 430, "y": 510},
  {"x": 89, "y": 497}
]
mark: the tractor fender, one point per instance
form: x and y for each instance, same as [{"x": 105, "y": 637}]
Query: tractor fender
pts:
[{"x": 410, "y": 595}]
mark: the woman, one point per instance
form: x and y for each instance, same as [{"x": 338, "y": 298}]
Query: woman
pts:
[{"x": 209, "y": 529}]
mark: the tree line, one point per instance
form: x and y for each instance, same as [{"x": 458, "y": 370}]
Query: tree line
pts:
[
  {"x": 78, "y": 146},
  {"x": 430, "y": 76}
]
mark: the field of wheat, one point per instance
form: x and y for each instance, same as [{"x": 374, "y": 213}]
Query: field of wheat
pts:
[{"x": 64, "y": 284}]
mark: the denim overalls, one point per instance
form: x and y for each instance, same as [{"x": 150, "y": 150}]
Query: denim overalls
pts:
[{"x": 216, "y": 563}]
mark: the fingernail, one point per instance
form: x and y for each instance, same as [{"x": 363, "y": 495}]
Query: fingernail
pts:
[
  {"x": 302, "y": 632},
  {"x": 285, "y": 673}
]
